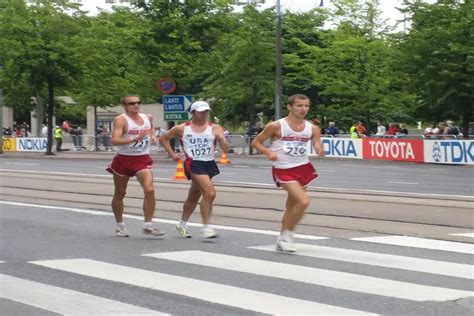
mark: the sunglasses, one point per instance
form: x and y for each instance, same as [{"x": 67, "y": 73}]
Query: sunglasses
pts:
[{"x": 133, "y": 103}]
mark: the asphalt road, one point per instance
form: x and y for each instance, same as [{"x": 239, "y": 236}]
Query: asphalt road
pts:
[
  {"x": 334, "y": 174},
  {"x": 63, "y": 260}
]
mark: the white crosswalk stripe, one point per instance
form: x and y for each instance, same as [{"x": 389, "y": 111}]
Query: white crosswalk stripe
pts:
[
  {"x": 208, "y": 291},
  {"x": 382, "y": 260},
  {"x": 335, "y": 279},
  {"x": 237, "y": 295},
  {"x": 64, "y": 301},
  {"x": 421, "y": 243}
]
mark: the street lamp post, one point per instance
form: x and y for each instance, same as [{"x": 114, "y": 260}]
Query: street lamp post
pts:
[{"x": 278, "y": 83}]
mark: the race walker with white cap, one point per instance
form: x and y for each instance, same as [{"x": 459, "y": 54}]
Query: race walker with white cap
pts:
[{"x": 198, "y": 139}]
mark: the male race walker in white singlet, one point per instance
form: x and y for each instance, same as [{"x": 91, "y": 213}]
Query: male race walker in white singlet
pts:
[
  {"x": 198, "y": 139},
  {"x": 133, "y": 133},
  {"x": 292, "y": 169}
]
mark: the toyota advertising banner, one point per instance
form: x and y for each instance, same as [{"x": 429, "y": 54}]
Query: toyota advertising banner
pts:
[
  {"x": 393, "y": 149},
  {"x": 449, "y": 151}
]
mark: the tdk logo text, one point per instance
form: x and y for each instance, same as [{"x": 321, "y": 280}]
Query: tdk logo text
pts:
[{"x": 452, "y": 151}]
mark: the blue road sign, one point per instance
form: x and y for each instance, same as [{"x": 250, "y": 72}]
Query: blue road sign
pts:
[{"x": 177, "y": 103}]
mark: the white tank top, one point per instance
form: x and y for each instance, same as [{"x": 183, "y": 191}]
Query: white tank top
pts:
[
  {"x": 291, "y": 148},
  {"x": 136, "y": 148},
  {"x": 198, "y": 146}
]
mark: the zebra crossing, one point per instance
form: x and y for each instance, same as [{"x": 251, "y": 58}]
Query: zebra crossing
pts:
[{"x": 261, "y": 263}]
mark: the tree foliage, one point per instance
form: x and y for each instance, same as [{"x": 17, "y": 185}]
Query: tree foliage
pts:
[{"x": 351, "y": 64}]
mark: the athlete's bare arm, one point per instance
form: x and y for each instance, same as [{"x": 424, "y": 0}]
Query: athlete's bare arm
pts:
[
  {"x": 218, "y": 132},
  {"x": 316, "y": 139},
  {"x": 272, "y": 130},
  {"x": 176, "y": 131},
  {"x": 154, "y": 139}
]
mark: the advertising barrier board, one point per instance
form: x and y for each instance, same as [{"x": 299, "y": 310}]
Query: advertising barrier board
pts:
[
  {"x": 9, "y": 143},
  {"x": 393, "y": 149},
  {"x": 449, "y": 151},
  {"x": 31, "y": 144}
]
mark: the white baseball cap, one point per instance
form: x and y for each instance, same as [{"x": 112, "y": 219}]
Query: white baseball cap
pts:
[{"x": 200, "y": 106}]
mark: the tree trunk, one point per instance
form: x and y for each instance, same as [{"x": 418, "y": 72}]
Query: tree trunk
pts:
[{"x": 49, "y": 150}]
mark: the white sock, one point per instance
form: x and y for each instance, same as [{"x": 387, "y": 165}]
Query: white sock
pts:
[
  {"x": 120, "y": 225},
  {"x": 147, "y": 224},
  {"x": 183, "y": 223}
]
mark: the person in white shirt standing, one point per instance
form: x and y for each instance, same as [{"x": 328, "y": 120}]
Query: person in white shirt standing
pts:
[
  {"x": 198, "y": 139},
  {"x": 134, "y": 134},
  {"x": 292, "y": 169}
]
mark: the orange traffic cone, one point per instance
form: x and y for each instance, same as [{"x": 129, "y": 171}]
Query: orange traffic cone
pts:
[
  {"x": 224, "y": 160},
  {"x": 179, "y": 171}
]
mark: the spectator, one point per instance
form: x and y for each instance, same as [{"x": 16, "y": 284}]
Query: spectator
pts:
[
  {"x": 361, "y": 130},
  {"x": 44, "y": 130},
  {"x": 442, "y": 128},
  {"x": 66, "y": 126},
  {"x": 393, "y": 129},
  {"x": 470, "y": 131},
  {"x": 58, "y": 136},
  {"x": 403, "y": 131},
  {"x": 253, "y": 131},
  {"x": 452, "y": 129},
  {"x": 430, "y": 130},
  {"x": 381, "y": 130},
  {"x": 353, "y": 131},
  {"x": 332, "y": 129}
]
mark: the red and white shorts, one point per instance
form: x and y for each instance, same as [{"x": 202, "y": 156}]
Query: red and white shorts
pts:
[
  {"x": 129, "y": 166},
  {"x": 303, "y": 174}
]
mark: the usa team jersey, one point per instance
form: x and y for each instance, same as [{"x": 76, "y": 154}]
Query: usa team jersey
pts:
[{"x": 198, "y": 146}]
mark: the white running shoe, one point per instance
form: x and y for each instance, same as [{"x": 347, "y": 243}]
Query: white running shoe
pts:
[
  {"x": 153, "y": 231},
  {"x": 208, "y": 232},
  {"x": 121, "y": 232},
  {"x": 182, "y": 230},
  {"x": 285, "y": 243}
]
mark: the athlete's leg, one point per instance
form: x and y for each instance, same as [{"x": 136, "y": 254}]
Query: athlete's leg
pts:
[
  {"x": 191, "y": 202},
  {"x": 145, "y": 178},
  {"x": 120, "y": 184},
  {"x": 208, "y": 195},
  {"x": 296, "y": 204}
]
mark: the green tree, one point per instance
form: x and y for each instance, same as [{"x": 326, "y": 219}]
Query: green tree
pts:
[
  {"x": 244, "y": 85},
  {"x": 36, "y": 44},
  {"x": 438, "y": 55}
]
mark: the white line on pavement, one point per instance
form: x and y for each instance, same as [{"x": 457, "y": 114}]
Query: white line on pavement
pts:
[
  {"x": 464, "y": 235},
  {"x": 203, "y": 290},
  {"x": 332, "y": 189},
  {"x": 421, "y": 243},
  {"x": 382, "y": 260},
  {"x": 165, "y": 221},
  {"x": 322, "y": 277},
  {"x": 64, "y": 301},
  {"x": 399, "y": 182}
]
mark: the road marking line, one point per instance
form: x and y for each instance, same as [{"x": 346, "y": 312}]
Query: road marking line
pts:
[
  {"x": 240, "y": 166},
  {"x": 464, "y": 235},
  {"x": 64, "y": 301},
  {"x": 334, "y": 279},
  {"x": 397, "y": 182},
  {"x": 332, "y": 189},
  {"x": 165, "y": 221},
  {"x": 382, "y": 260},
  {"x": 208, "y": 291},
  {"x": 22, "y": 163},
  {"x": 421, "y": 243}
]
